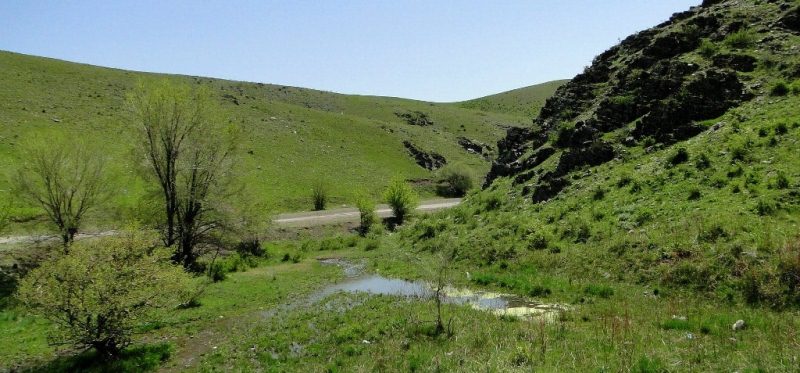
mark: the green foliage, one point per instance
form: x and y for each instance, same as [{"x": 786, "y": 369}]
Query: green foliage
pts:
[
  {"x": 742, "y": 39},
  {"x": 707, "y": 48},
  {"x": 401, "y": 198},
  {"x": 102, "y": 290},
  {"x": 678, "y": 157},
  {"x": 455, "y": 180},
  {"x": 319, "y": 195},
  {"x": 780, "y": 88},
  {"x": 366, "y": 213}
]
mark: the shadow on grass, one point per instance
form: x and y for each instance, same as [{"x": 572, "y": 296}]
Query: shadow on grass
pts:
[{"x": 142, "y": 358}]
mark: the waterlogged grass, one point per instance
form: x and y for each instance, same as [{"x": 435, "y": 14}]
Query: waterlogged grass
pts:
[{"x": 355, "y": 333}]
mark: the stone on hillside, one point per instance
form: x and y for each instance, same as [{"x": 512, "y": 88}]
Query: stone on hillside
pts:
[
  {"x": 738, "y": 325},
  {"x": 738, "y": 62},
  {"x": 430, "y": 161}
]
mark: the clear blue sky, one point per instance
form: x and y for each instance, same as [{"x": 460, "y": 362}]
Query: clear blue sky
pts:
[{"x": 427, "y": 49}]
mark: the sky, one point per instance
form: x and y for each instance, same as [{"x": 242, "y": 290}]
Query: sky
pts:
[{"x": 435, "y": 50}]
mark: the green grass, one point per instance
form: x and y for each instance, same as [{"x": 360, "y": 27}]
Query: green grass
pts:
[
  {"x": 291, "y": 137},
  {"x": 526, "y": 101}
]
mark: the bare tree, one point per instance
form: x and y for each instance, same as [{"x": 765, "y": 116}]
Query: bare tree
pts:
[
  {"x": 65, "y": 180},
  {"x": 189, "y": 155}
]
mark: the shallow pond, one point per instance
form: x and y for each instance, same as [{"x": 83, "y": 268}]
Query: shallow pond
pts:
[{"x": 498, "y": 303}]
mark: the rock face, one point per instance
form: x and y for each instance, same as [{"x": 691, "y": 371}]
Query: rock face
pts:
[
  {"x": 475, "y": 147},
  {"x": 653, "y": 87},
  {"x": 430, "y": 161},
  {"x": 415, "y": 118}
]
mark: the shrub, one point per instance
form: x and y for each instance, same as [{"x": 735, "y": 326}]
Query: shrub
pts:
[
  {"x": 538, "y": 241},
  {"x": 694, "y": 194},
  {"x": 707, "y": 48},
  {"x": 102, "y": 290},
  {"x": 319, "y": 194},
  {"x": 766, "y": 207},
  {"x": 702, "y": 162},
  {"x": 780, "y": 88},
  {"x": 741, "y": 39},
  {"x": 681, "y": 155},
  {"x": 780, "y": 181},
  {"x": 366, "y": 212},
  {"x": 401, "y": 198},
  {"x": 601, "y": 291},
  {"x": 251, "y": 247},
  {"x": 455, "y": 180}
]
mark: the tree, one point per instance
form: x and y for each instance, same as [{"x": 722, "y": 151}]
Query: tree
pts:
[
  {"x": 100, "y": 291},
  {"x": 65, "y": 179},
  {"x": 401, "y": 198},
  {"x": 189, "y": 155}
]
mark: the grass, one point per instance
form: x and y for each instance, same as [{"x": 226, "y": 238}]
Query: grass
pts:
[
  {"x": 525, "y": 102},
  {"x": 351, "y": 142}
]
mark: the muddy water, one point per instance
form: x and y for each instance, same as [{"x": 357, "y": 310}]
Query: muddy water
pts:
[{"x": 497, "y": 303}]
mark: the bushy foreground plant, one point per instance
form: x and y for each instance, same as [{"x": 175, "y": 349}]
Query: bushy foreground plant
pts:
[
  {"x": 102, "y": 290},
  {"x": 366, "y": 211},
  {"x": 319, "y": 194},
  {"x": 401, "y": 198}
]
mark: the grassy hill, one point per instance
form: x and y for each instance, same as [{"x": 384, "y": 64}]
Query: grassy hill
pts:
[
  {"x": 525, "y": 101},
  {"x": 292, "y": 137}
]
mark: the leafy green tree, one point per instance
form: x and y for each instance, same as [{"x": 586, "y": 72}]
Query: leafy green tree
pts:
[
  {"x": 98, "y": 293},
  {"x": 401, "y": 198},
  {"x": 190, "y": 156},
  {"x": 65, "y": 179}
]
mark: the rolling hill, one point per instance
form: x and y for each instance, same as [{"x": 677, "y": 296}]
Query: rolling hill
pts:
[
  {"x": 292, "y": 137},
  {"x": 525, "y": 101}
]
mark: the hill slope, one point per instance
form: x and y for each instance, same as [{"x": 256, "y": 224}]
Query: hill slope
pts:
[
  {"x": 671, "y": 161},
  {"x": 526, "y": 101},
  {"x": 291, "y": 136}
]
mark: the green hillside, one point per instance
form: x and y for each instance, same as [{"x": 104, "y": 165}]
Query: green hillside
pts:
[
  {"x": 525, "y": 101},
  {"x": 291, "y": 137}
]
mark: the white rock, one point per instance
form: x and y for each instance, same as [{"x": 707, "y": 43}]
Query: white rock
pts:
[{"x": 738, "y": 325}]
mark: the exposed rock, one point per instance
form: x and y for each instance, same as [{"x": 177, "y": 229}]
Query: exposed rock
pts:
[
  {"x": 791, "y": 20},
  {"x": 738, "y": 62},
  {"x": 430, "y": 161},
  {"x": 415, "y": 118},
  {"x": 475, "y": 147},
  {"x": 738, "y": 325},
  {"x": 644, "y": 87}
]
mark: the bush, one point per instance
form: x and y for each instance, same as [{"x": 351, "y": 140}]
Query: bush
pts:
[
  {"x": 779, "y": 89},
  {"x": 680, "y": 156},
  {"x": 100, "y": 292},
  {"x": 455, "y": 180},
  {"x": 741, "y": 39},
  {"x": 366, "y": 211},
  {"x": 319, "y": 195},
  {"x": 401, "y": 198},
  {"x": 702, "y": 162},
  {"x": 707, "y": 48},
  {"x": 251, "y": 248}
]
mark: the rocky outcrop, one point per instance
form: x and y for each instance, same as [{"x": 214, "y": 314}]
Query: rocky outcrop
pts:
[
  {"x": 653, "y": 86},
  {"x": 429, "y": 161},
  {"x": 475, "y": 147},
  {"x": 415, "y": 118}
]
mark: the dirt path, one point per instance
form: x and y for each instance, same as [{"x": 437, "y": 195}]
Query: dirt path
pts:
[
  {"x": 296, "y": 219},
  {"x": 344, "y": 215}
]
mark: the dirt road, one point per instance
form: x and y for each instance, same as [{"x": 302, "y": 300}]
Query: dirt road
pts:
[{"x": 345, "y": 215}]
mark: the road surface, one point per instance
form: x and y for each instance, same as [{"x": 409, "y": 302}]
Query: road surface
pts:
[
  {"x": 349, "y": 215},
  {"x": 296, "y": 219}
]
